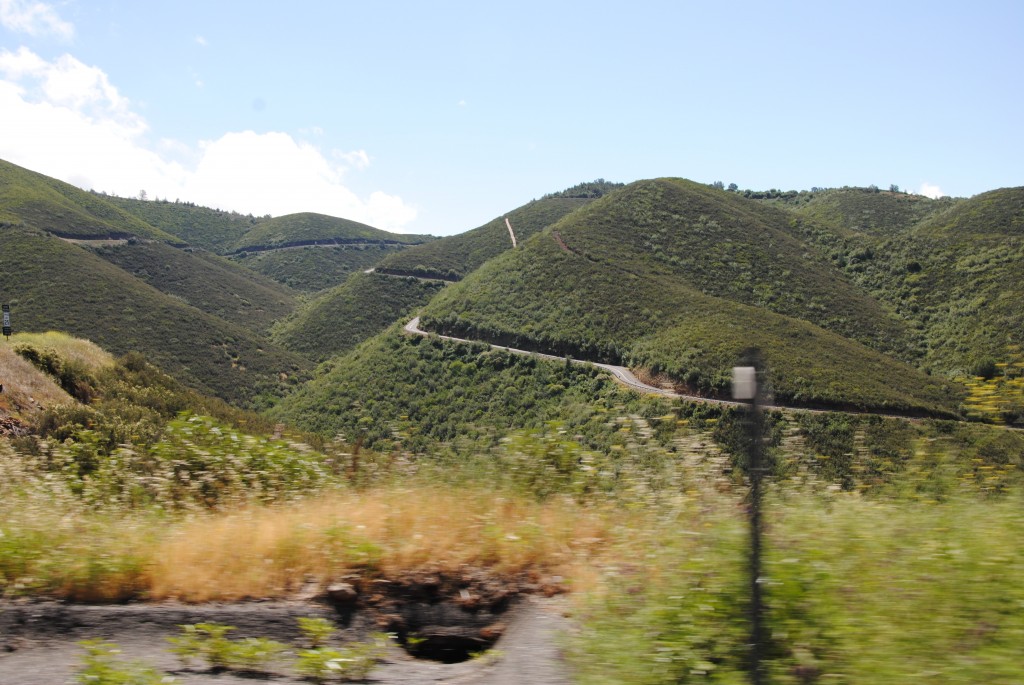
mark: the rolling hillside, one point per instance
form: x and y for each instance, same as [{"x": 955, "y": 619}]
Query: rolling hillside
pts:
[
  {"x": 956, "y": 277},
  {"x": 312, "y": 252},
  {"x": 205, "y": 281},
  {"x": 312, "y": 268},
  {"x": 58, "y": 208},
  {"x": 53, "y": 285},
  {"x": 610, "y": 280},
  {"x": 214, "y": 230},
  {"x": 309, "y": 228},
  {"x": 308, "y": 252},
  {"x": 869, "y": 210},
  {"x": 454, "y": 257},
  {"x": 365, "y": 305},
  {"x": 340, "y": 318}
]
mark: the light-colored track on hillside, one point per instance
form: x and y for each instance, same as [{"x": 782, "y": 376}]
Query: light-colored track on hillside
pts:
[
  {"x": 626, "y": 377},
  {"x": 620, "y": 373}
]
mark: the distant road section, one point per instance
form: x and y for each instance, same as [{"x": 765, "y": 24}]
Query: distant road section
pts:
[
  {"x": 626, "y": 377},
  {"x": 620, "y": 373}
]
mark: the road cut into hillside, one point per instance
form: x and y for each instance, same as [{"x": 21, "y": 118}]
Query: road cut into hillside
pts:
[
  {"x": 627, "y": 378},
  {"x": 620, "y": 373}
]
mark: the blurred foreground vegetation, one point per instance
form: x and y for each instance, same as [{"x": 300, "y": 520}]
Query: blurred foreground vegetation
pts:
[{"x": 894, "y": 548}]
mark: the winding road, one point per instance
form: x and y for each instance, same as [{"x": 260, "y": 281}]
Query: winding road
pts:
[
  {"x": 626, "y": 377},
  {"x": 620, "y": 373}
]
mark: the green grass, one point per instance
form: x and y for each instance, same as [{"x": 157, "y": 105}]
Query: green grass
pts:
[{"x": 857, "y": 590}]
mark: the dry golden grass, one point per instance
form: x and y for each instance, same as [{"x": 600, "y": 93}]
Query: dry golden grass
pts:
[
  {"x": 27, "y": 390},
  {"x": 389, "y": 532},
  {"x": 67, "y": 347}
]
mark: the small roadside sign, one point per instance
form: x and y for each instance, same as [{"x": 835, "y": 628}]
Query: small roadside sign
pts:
[{"x": 7, "y": 320}]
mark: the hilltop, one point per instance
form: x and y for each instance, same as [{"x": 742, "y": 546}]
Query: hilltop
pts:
[
  {"x": 214, "y": 230},
  {"x": 74, "y": 262},
  {"x": 312, "y": 252},
  {"x": 678, "y": 278},
  {"x": 454, "y": 257},
  {"x": 308, "y": 252},
  {"x": 60, "y": 209},
  {"x": 340, "y": 318}
]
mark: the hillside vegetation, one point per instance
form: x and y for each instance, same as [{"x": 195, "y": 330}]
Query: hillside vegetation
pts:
[
  {"x": 311, "y": 268},
  {"x": 31, "y": 199},
  {"x": 51, "y": 284},
  {"x": 214, "y": 230},
  {"x": 308, "y": 252},
  {"x": 868, "y": 210},
  {"x": 454, "y": 257},
  {"x": 679, "y": 278},
  {"x": 205, "y": 281},
  {"x": 956, "y": 278},
  {"x": 339, "y": 319},
  {"x": 893, "y": 548},
  {"x": 309, "y": 227}
]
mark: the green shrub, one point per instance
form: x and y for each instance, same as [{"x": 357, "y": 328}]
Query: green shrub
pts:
[
  {"x": 73, "y": 375},
  {"x": 209, "y": 642},
  {"x": 352, "y": 662},
  {"x": 100, "y": 666}
]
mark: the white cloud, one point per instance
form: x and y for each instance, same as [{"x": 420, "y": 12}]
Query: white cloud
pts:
[
  {"x": 33, "y": 18},
  {"x": 932, "y": 191},
  {"x": 65, "y": 119},
  {"x": 356, "y": 159},
  {"x": 272, "y": 173},
  {"x": 201, "y": 41}
]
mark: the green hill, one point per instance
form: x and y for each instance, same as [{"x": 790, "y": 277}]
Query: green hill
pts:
[
  {"x": 309, "y": 228},
  {"x": 609, "y": 279},
  {"x": 367, "y": 304},
  {"x": 205, "y": 281},
  {"x": 211, "y": 229},
  {"x": 65, "y": 211},
  {"x": 997, "y": 212},
  {"x": 307, "y": 252},
  {"x": 54, "y": 285},
  {"x": 869, "y": 210},
  {"x": 456, "y": 256},
  {"x": 312, "y": 268},
  {"x": 957, "y": 278},
  {"x": 397, "y": 388},
  {"x": 312, "y": 252},
  {"x": 341, "y": 318}
]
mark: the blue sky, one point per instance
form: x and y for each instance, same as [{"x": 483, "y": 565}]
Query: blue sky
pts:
[{"x": 437, "y": 117}]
